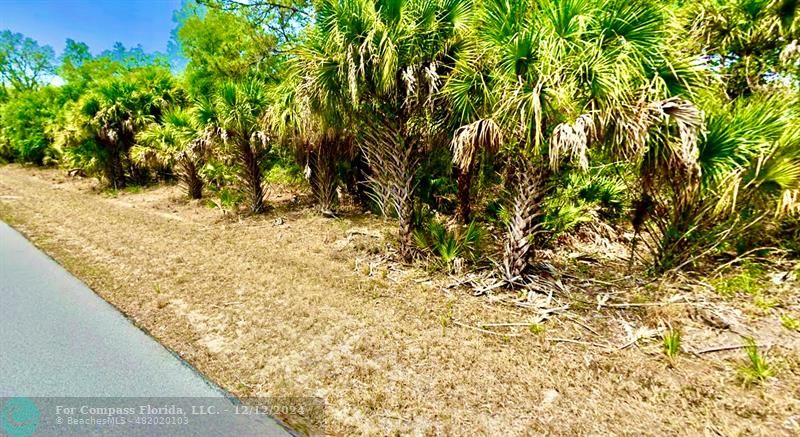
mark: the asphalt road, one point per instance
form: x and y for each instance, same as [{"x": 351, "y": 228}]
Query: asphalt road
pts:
[{"x": 59, "y": 339}]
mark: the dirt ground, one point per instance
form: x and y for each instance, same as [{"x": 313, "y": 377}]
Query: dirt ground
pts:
[{"x": 294, "y": 304}]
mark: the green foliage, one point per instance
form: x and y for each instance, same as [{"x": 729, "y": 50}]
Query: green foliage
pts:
[
  {"x": 233, "y": 118},
  {"x": 449, "y": 245},
  {"x": 757, "y": 369},
  {"x": 536, "y": 328},
  {"x": 584, "y": 197},
  {"x": 225, "y": 199},
  {"x": 747, "y": 161},
  {"x": 24, "y": 64},
  {"x": 672, "y": 344},
  {"x": 282, "y": 167},
  {"x": 284, "y": 173},
  {"x": 221, "y": 46},
  {"x": 105, "y": 120},
  {"x": 747, "y": 281},
  {"x": 790, "y": 322},
  {"x": 747, "y": 40},
  {"x": 25, "y": 121}
]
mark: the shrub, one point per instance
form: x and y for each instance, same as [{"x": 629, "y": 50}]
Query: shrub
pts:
[{"x": 450, "y": 245}]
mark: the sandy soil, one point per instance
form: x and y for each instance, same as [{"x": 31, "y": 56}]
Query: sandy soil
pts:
[{"x": 288, "y": 305}]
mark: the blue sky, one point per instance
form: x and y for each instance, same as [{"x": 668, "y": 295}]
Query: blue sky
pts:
[{"x": 98, "y": 23}]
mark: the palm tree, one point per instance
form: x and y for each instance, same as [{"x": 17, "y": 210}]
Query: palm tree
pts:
[
  {"x": 177, "y": 142},
  {"x": 113, "y": 116},
  {"x": 381, "y": 62},
  {"x": 317, "y": 134},
  {"x": 557, "y": 76},
  {"x": 115, "y": 110},
  {"x": 746, "y": 170},
  {"x": 749, "y": 40},
  {"x": 235, "y": 116}
]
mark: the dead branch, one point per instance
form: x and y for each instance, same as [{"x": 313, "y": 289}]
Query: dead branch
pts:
[
  {"x": 569, "y": 340},
  {"x": 729, "y": 348},
  {"x": 485, "y": 331}
]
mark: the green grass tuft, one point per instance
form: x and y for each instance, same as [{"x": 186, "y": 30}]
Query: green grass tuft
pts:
[
  {"x": 757, "y": 369},
  {"x": 672, "y": 344}
]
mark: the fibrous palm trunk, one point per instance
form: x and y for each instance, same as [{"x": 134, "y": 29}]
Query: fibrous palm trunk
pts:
[
  {"x": 525, "y": 223},
  {"x": 404, "y": 204},
  {"x": 194, "y": 184},
  {"x": 464, "y": 182},
  {"x": 324, "y": 178},
  {"x": 113, "y": 168},
  {"x": 252, "y": 176},
  {"x": 392, "y": 160}
]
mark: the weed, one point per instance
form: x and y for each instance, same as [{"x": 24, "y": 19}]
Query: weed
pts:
[
  {"x": 447, "y": 317},
  {"x": 284, "y": 173},
  {"x": 112, "y": 192},
  {"x": 765, "y": 303},
  {"x": 747, "y": 281},
  {"x": 757, "y": 369},
  {"x": 790, "y": 322},
  {"x": 536, "y": 328},
  {"x": 226, "y": 200},
  {"x": 672, "y": 344}
]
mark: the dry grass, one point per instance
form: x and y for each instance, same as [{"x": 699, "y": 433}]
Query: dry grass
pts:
[{"x": 268, "y": 309}]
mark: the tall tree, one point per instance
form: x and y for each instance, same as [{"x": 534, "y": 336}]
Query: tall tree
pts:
[
  {"x": 24, "y": 64},
  {"x": 221, "y": 46},
  {"x": 382, "y": 62},
  {"x": 236, "y": 115},
  {"x": 285, "y": 19}
]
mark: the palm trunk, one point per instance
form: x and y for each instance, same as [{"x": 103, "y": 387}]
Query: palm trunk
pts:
[
  {"x": 252, "y": 176},
  {"x": 323, "y": 178},
  {"x": 358, "y": 180},
  {"x": 113, "y": 169},
  {"x": 464, "y": 181},
  {"x": 194, "y": 184},
  {"x": 525, "y": 222}
]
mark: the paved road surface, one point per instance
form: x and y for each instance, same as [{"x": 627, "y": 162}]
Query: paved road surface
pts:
[{"x": 59, "y": 339}]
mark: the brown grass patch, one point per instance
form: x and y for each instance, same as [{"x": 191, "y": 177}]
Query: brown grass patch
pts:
[{"x": 290, "y": 307}]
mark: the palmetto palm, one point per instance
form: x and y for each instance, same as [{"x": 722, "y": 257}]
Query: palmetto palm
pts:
[
  {"x": 114, "y": 111},
  {"x": 381, "y": 63},
  {"x": 176, "y": 142},
  {"x": 747, "y": 167},
  {"x": 746, "y": 38},
  {"x": 236, "y": 116},
  {"x": 114, "y": 115},
  {"x": 556, "y": 76},
  {"x": 318, "y": 135}
]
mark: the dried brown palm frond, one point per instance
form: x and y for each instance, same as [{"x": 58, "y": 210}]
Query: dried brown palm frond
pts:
[
  {"x": 525, "y": 224},
  {"x": 573, "y": 140},
  {"x": 689, "y": 120},
  {"x": 789, "y": 204},
  {"x": 468, "y": 139},
  {"x": 633, "y": 126}
]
